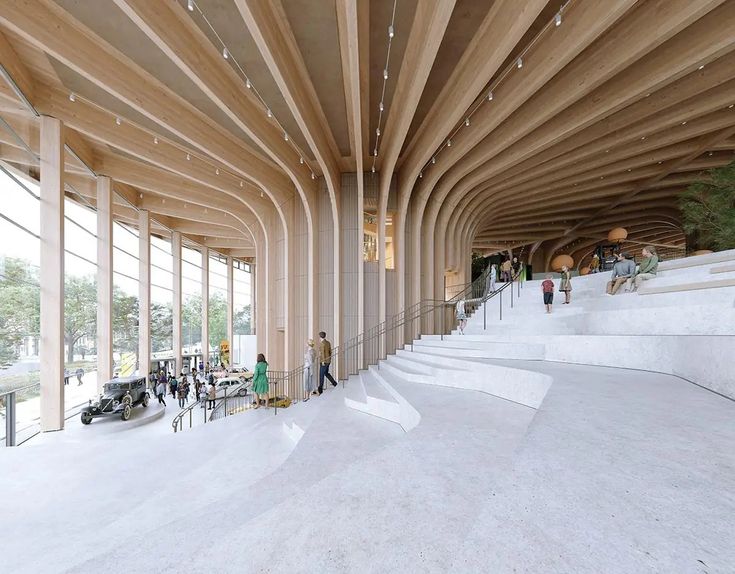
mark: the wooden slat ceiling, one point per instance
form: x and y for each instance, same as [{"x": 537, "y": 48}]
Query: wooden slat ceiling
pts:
[{"x": 612, "y": 115}]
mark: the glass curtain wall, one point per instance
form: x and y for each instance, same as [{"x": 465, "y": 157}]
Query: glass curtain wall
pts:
[
  {"x": 125, "y": 299},
  {"x": 20, "y": 295},
  {"x": 242, "y": 323},
  {"x": 217, "y": 305},
  {"x": 191, "y": 306},
  {"x": 162, "y": 297},
  {"x": 80, "y": 301}
]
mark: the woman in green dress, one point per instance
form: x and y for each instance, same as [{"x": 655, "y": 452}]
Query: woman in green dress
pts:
[
  {"x": 260, "y": 381},
  {"x": 566, "y": 284}
]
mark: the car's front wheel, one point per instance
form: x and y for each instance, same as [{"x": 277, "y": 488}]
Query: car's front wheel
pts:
[
  {"x": 86, "y": 418},
  {"x": 242, "y": 392},
  {"x": 146, "y": 399},
  {"x": 126, "y": 412}
]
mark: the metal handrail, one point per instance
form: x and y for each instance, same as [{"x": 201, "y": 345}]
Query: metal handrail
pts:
[
  {"x": 365, "y": 349},
  {"x": 9, "y": 399}
]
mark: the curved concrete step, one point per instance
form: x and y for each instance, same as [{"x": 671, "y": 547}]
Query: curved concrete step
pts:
[{"x": 489, "y": 349}]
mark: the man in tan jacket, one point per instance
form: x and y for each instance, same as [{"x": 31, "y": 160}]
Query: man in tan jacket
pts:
[{"x": 325, "y": 359}]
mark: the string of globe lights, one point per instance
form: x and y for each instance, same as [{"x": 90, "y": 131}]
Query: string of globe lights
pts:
[
  {"x": 381, "y": 107},
  {"x": 73, "y": 97},
  {"x": 227, "y": 54},
  {"x": 488, "y": 96}
]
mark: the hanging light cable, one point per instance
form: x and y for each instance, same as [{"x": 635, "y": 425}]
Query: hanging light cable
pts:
[{"x": 381, "y": 107}]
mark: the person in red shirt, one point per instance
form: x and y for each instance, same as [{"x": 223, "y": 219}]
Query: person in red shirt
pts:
[{"x": 547, "y": 287}]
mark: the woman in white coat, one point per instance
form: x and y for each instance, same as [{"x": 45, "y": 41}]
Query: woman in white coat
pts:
[
  {"x": 491, "y": 278},
  {"x": 309, "y": 372}
]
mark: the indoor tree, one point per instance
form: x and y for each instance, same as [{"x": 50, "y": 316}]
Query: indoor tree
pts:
[{"x": 708, "y": 210}]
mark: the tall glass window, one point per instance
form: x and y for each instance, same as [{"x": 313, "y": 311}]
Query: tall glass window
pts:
[
  {"x": 20, "y": 295},
  {"x": 161, "y": 300},
  {"x": 80, "y": 300},
  {"x": 242, "y": 322},
  {"x": 191, "y": 305},
  {"x": 217, "y": 305},
  {"x": 125, "y": 299}
]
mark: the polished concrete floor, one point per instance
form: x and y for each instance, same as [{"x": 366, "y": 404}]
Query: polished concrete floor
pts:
[{"x": 617, "y": 471}]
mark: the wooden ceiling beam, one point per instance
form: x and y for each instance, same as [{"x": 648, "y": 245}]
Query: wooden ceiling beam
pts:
[
  {"x": 502, "y": 28},
  {"x": 48, "y": 27},
  {"x": 169, "y": 26},
  {"x": 100, "y": 125},
  {"x": 268, "y": 25},
  {"x": 515, "y": 141}
]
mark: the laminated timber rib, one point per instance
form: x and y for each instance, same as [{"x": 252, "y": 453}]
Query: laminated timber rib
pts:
[{"x": 249, "y": 127}]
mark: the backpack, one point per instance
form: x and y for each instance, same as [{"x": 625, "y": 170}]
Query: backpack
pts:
[{"x": 211, "y": 379}]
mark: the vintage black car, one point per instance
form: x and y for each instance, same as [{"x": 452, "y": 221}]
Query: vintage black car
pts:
[{"x": 119, "y": 397}]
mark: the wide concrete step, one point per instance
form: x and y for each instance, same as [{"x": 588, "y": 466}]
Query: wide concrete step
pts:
[
  {"x": 371, "y": 397},
  {"x": 435, "y": 362},
  {"x": 487, "y": 349},
  {"x": 404, "y": 371},
  {"x": 409, "y": 417}
]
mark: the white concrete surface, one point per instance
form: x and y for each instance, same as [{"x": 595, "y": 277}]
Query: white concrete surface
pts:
[
  {"x": 688, "y": 332},
  {"x": 616, "y": 472}
]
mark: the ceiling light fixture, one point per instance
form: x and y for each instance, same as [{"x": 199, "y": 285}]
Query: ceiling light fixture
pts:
[
  {"x": 188, "y": 157},
  {"x": 269, "y": 113},
  {"x": 248, "y": 85},
  {"x": 385, "y": 74},
  {"x": 72, "y": 97},
  {"x": 216, "y": 171},
  {"x": 118, "y": 121},
  {"x": 490, "y": 96},
  {"x": 301, "y": 160},
  {"x": 155, "y": 140},
  {"x": 285, "y": 136},
  {"x": 449, "y": 143},
  {"x": 225, "y": 53},
  {"x": 467, "y": 122},
  {"x": 190, "y": 5},
  {"x": 557, "y": 19},
  {"x": 391, "y": 31},
  {"x": 433, "y": 160},
  {"x": 519, "y": 63}
]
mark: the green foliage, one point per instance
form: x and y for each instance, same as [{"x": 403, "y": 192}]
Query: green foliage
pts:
[
  {"x": 242, "y": 321},
  {"x": 708, "y": 210},
  {"x": 80, "y": 311},
  {"x": 479, "y": 263},
  {"x": 217, "y": 318},
  {"x": 19, "y": 306},
  {"x": 124, "y": 321}
]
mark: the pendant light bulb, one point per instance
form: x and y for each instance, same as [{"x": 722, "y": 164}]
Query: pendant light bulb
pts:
[
  {"x": 381, "y": 106},
  {"x": 377, "y": 132},
  {"x": 72, "y": 97},
  {"x": 190, "y": 5},
  {"x": 449, "y": 143},
  {"x": 433, "y": 160},
  {"x": 225, "y": 53},
  {"x": 467, "y": 122},
  {"x": 519, "y": 63},
  {"x": 385, "y": 74},
  {"x": 373, "y": 170},
  {"x": 490, "y": 96},
  {"x": 285, "y": 136},
  {"x": 216, "y": 171},
  {"x": 269, "y": 113},
  {"x": 301, "y": 160},
  {"x": 118, "y": 121},
  {"x": 188, "y": 157},
  {"x": 557, "y": 19},
  {"x": 248, "y": 85},
  {"x": 155, "y": 140},
  {"x": 312, "y": 175},
  {"x": 391, "y": 31}
]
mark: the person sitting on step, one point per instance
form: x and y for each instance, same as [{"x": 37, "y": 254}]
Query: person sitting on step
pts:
[
  {"x": 622, "y": 270},
  {"x": 646, "y": 270}
]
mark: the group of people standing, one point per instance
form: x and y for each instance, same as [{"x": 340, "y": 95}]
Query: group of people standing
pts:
[
  {"x": 324, "y": 357},
  {"x": 198, "y": 386},
  {"x": 624, "y": 272}
]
